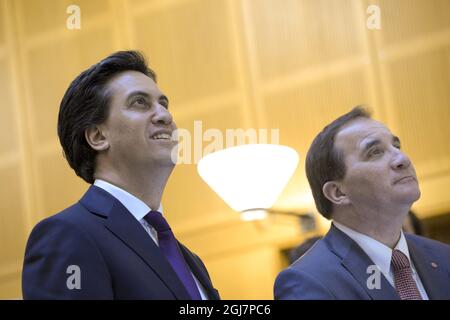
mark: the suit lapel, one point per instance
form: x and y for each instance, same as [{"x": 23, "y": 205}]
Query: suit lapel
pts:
[
  {"x": 199, "y": 272},
  {"x": 125, "y": 227},
  {"x": 356, "y": 262},
  {"x": 434, "y": 279}
]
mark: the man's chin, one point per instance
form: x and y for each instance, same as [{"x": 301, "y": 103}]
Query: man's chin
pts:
[
  {"x": 161, "y": 159},
  {"x": 166, "y": 160},
  {"x": 412, "y": 196}
]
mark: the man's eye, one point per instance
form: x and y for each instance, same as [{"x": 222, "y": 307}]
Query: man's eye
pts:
[
  {"x": 164, "y": 103},
  {"x": 375, "y": 152},
  {"x": 140, "y": 101}
]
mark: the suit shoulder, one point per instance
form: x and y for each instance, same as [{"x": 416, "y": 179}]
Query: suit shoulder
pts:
[
  {"x": 435, "y": 248},
  {"x": 431, "y": 243},
  {"x": 55, "y": 244},
  {"x": 73, "y": 214},
  {"x": 75, "y": 217},
  {"x": 317, "y": 259},
  {"x": 306, "y": 278},
  {"x": 70, "y": 225}
]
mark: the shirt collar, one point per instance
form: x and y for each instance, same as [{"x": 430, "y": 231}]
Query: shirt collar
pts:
[
  {"x": 136, "y": 206},
  {"x": 379, "y": 253}
]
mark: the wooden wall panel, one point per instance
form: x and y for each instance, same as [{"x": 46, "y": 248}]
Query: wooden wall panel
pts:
[
  {"x": 2, "y": 23},
  {"x": 296, "y": 34},
  {"x": 12, "y": 218},
  {"x": 422, "y": 115},
  {"x": 59, "y": 187},
  {"x": 241, "y": 268},
  {"x": 57, "y": 64},
  {"x": 41, "y": 16},
  {"x": 8, "y": 123},
  {"x": 405, "y": 20},
  {"x": 189, "y": 47}
]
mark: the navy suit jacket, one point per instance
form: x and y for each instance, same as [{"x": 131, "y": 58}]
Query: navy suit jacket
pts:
[
  {"x": 336, "y": 268},
  {"x": 116, "y": 257}
]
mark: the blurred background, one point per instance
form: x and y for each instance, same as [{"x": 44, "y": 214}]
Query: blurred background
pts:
[{"x": 289, "y": 64}]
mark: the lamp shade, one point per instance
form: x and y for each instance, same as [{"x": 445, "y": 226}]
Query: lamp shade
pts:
[{"x": 250, "y": 176}]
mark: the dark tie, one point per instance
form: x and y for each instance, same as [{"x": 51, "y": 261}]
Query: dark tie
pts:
[
  {"x": 404, "y": 282},
  {"x": 169, "y": 247}
]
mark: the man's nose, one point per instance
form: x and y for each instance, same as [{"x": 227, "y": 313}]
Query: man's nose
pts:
[
  {"x": 400, "y": 160},
  {"x": 161, "y": 115}
]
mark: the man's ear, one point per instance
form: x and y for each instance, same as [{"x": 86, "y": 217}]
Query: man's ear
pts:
[
  {"x": 333, "y": 192},
  {"x": 96, "y": 138}
]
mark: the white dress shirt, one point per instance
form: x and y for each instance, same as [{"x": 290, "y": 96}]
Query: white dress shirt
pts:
[
  {"x": 139, "y": 210},
  {"x": 381, "y": 254}
]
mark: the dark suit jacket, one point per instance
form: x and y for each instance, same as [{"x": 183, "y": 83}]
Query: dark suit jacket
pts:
[
  {"x": 336, "y": 268},
  {"x": 116, "y": 256}
]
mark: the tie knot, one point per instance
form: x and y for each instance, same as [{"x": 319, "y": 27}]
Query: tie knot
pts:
[
  {"x": 157, "y": 221},
  {"x": 399, "y": 260}
]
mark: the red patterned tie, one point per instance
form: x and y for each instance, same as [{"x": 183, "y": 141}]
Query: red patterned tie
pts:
[{"x": 404, "y": 282}]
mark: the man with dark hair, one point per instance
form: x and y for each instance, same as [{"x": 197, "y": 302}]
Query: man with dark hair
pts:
[
  {"x": 364, "y": 183},
  {"x": 116, "y": 132}
]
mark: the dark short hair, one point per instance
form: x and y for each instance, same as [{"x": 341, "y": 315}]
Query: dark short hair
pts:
[
  {"x": 86, "y": 104},
  {"x": 325, "y": 163}
]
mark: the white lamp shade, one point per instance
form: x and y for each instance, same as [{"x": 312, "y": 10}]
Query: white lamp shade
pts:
[{"x": 249, "y": 176}]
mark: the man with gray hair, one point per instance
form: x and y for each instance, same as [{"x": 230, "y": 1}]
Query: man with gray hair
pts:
[{"x": 362, "y": 181}]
